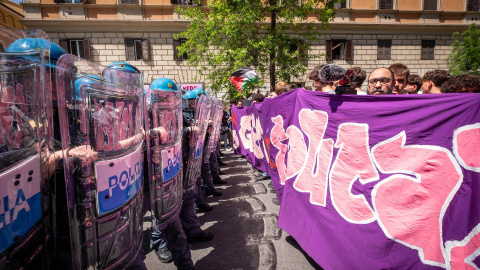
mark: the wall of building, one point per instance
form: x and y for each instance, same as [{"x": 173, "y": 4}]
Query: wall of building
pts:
[{"x": 109, "y": 47}]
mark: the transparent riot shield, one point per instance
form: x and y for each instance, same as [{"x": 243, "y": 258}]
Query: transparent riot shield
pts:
[
  {"x": 101, "y": 123},
  {"x": 25, "y": 115},
  {"x": 199, "y": 128},
  {"x": 163, "y": 121},
  {"x": 216, "y": 114}
]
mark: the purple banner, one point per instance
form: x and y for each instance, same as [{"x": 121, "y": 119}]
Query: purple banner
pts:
[{"x": 367, "y": 182}]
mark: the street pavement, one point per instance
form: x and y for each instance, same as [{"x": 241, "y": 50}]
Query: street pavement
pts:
[{"x": 244, "y": 222}]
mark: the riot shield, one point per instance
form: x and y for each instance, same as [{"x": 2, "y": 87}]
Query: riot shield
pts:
[
  {"x": 25, "y": 115},
  {"x": 163, "y": 121},
  {"x": 199, "y": 128},
  {"x": 101, "y": 123},
  {"x": 216, "y": 114}
]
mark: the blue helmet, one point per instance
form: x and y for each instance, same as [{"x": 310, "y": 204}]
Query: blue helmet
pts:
[
  {"x": 163, "y": 84},
  {"x": 37, "y": 44},
  {"x": 128, "y": 73},
  {"x": 123, "y": 66},
  {"x": 84, "y": 81},
  {"x": 194, "y": 93}
]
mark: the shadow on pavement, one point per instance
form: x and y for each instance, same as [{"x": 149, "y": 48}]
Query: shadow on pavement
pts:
[
  {"x": 294, "y": 244},
  {"x": 237, "y": 234}
]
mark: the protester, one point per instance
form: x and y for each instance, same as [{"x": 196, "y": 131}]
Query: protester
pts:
[
  {"x": 470, "y": 83},
  {"x": 240, "y": 104},
  {"x": 381, "y": 82},
  {"x": 320, "y": 86},
  {"x": 279, "y": 87},
  {"x": 414, "y": 84},
  {"x": 357, "y": 78},
  {"x": 432, "y": 81},
  {"x": 258, "y": 98},
  {"x": 401, "y": 72}
]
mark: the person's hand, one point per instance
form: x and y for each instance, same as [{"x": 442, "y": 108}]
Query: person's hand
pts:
[{"x": 83, "y": 152}]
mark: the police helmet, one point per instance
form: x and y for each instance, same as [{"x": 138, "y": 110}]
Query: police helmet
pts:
[
  {"x": 128, "y": 73},
  {"x": 90, "y": 80},
  {"x": 37, "y": 44},
  {"x": 163, "y": 84}
]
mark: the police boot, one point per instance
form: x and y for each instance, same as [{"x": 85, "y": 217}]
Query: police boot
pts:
[
  {"x": 212, "y": 192},
  {"x": 218, "y": 181},
  {"x": 164, "y": 255},
  {"x": 203, "y": 236}
]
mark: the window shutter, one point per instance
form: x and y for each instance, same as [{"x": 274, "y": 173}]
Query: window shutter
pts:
[
  {"x": 328, "y": 49},
  {"x": 348, "y": 50},
  {"x": 176, "y": 43},
  {"x": 388, "y": 49},
  {"x": 130, "y": 54},
  {"x": 380, "y": 49},
  {"x": 302, "y": 53},
  {"x": 386, "y": 4},
  {"x": 473, "y": 5},
  {"x": 430, "y": 4},
  {"x": 146, "y": 50},
  {"x": 86, "y": 49},
  {"x": 63, "y": 43}
]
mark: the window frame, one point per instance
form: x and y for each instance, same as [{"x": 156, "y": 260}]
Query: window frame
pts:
[
  {"x": 430, "y": 5},
  {"x": 347, "y": 50},
  {"x": 384, "y": 45},
  {"x": 385, "y": 4},
  {"x": 427, "y": 50},
  {"x": 143, "y": 50},
  {"x": 475, "y": 4},
  {"x": 65, "y": 44},
  {"x": 176, "y": 43}
]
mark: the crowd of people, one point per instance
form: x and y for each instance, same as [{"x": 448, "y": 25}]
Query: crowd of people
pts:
[{"x": 396, "y": 79}]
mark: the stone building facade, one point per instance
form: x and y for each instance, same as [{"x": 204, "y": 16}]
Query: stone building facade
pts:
[
  {"x": 365, "y": 33},
  {"x": 10, "y": 15}
]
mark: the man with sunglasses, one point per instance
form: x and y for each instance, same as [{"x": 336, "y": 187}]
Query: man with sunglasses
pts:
[{"x": 381, "y": 82}]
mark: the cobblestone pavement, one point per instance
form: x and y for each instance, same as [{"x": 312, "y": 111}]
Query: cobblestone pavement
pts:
[{"x": 244, "y": 222}]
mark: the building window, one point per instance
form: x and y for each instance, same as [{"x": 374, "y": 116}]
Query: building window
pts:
[
  {"x": 473, "y": 5},
  {"x": 183, "y": 2},
  {"x": 137, "y": 49},
  {"x": 429, "y": 4},
  {"x": 77, "y": 47},
  {"x": 128, "y": 2},
  {"x": 385, "y": 4},
  {"x": 70, "y": 1},
  {"x": 178, "y": 43},
  {"x": 339, "y": 50},
  {"x": 343, "y": 4},
  {"x": 384, "y": 49},
  {"x": 428, "y": 49}
]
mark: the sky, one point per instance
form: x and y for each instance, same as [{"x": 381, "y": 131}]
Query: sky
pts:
[{"x": 17, "y": 1}]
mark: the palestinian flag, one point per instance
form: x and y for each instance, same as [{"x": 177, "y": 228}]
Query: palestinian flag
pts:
[{"x": 243, "y": 77}]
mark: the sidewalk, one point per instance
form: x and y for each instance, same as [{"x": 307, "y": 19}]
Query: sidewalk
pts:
[{"x": 244, "y": 224}]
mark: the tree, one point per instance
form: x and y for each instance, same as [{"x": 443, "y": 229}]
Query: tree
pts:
[
  {"x": 230, "y": 34},
  {"x": 465, "y": 54}
]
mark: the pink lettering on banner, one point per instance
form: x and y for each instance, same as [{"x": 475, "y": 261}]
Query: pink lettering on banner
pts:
[
  {"x": 257, "y": 138},
  {"x": 466, "y": 142},
  {"x": 353, "y": 162},
  {"x": 246, "y": 125},
  {"x": 276, "y": 136},
  {"x": 297, "y": 151},
  {"x": 236, "y": 142},
  {"x": 313, "y": 176},
  {"x": 410, "y": 210},
  {"x": 462, "y": 253}
]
